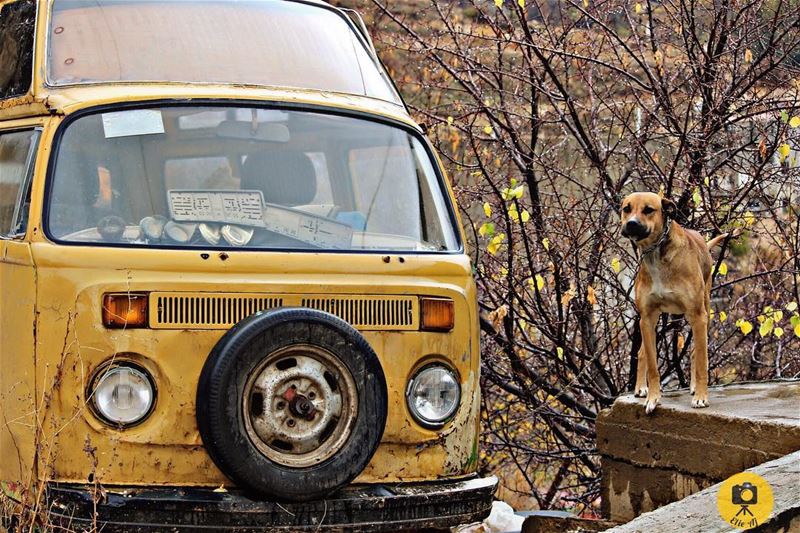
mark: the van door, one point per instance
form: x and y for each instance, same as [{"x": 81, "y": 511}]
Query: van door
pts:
[{"x": 18, "y": 147}]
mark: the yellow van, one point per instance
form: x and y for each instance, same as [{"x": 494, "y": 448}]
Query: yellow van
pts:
[{"x": 234, "y": 287}]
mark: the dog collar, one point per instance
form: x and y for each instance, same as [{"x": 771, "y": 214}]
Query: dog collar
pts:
[{"x": 664, "y": 238}]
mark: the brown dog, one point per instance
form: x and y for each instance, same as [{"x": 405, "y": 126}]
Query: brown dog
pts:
[{"x": 674, "y": 277}]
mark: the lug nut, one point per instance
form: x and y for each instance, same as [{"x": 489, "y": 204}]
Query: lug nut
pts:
[
  {"x": 290, "y": 423},
  {"x": 281, "y": 405},
  {"x": 311, "y": 395}
]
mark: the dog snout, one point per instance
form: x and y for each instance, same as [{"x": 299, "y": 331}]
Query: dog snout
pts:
[{"x": 635, "y": 230}]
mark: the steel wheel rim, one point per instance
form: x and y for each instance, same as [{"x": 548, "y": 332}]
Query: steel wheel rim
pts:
[{"x": 300, "y": 405}]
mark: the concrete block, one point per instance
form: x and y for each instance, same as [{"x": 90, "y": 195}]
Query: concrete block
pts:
[
  {"x": 698, "y": 513},
  {"x": 650, "y": 461}
]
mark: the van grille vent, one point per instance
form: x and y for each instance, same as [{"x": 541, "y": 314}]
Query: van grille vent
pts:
[
  {"x": 219, "y": 311},
  {"x": 370, "y": 312},
  {"x": 178, "y": 310}
]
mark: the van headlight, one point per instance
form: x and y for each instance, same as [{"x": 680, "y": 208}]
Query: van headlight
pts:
[
  {"x": 123, "y": 394},
  {"x": 433, "y": 395}
]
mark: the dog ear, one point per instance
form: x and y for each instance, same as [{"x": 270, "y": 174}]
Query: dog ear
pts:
[{"x": 668, "y": 206}]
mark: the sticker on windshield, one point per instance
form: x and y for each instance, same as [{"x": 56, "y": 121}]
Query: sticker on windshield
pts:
[
  {"x": 305, "y": 227},
  {"x": 227, "y": 207},
  {"x": 133, "y": 122}
]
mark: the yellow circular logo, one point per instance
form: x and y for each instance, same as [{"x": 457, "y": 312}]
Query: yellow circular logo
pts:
[{"x": 745, "y": 500}]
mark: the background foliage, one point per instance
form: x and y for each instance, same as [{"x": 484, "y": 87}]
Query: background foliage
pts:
[{"x": 547, "y": 113}]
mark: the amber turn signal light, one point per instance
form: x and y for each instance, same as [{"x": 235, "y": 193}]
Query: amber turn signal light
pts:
[
  {"x": 125, "y": 310},
  {"x": 438, "y": 314}
]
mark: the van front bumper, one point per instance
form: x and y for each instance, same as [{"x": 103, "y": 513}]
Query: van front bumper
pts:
[{"x": 389, "y": 507}]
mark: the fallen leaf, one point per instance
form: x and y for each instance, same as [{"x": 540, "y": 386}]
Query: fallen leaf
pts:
[
  {"x": 568, "y": 296},
  {"x": 496, "y": 317},
  {"x": 591, "y": 296}
]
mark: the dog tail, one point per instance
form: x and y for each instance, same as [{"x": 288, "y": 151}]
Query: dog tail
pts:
[{"x": 719, "y": 238}]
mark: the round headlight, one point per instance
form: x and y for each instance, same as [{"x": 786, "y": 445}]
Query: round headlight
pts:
[
  {"x": 123, "y": 395},
  {"x": 433, "y": 395}
]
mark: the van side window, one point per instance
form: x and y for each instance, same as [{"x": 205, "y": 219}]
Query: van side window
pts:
[
  {"x": 17, "y": 22},
  {"x": 16, "y": 168}
]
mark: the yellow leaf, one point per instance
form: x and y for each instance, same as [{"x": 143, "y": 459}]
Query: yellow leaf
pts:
[
  {"x": 513, "y": 214},
  {"x": 560, "y": 352},
  {"x": 749, "y": 218},
  {"x": 707, "y": 181},
  {"x": 498, "y": 3},
  {"x": 723, "y": 269},
  {"x": 488, "y": 130},
  {"x": 513, "y": 192},
  {"x": 486, "y": 230},
  {"x": 766, "y": 327},
  {"x": 746, "y": 327},
  {"x": 794, "y": 122},
  {"x": 495, "y": 243},
  {"x": 792, "y": 307},
  {"x": 539, "y": 282},
  {"x": 696, "y": 197},
  {"x": 778, "y": 332},
  {"x": 748, "y": 55},
  {"x": 783, "y": 151},
  {"x": 681, "y": 342},
  {"x": 449, "y": 121},
  {"x": 487, "y": 209},
  {"x": 638, "y": 8},
  {"x": 525, "y": 216},
  {"x": 797, "y": 330},
  {"x": 591, "y": 296},
  {"x": 546, "y": 243},
  {"x": 521, "y": 3},
  {"x": 723, "y": 316},
  {"x": 777, "y": 316},
  {"x": 585, "y": 3}
]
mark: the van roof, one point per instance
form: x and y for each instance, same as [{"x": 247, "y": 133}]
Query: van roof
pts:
[{"x": 75, "y": 66}]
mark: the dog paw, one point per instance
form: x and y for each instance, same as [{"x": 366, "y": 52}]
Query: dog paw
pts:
[
  {"x": 699, "y": 403},
  {"x": 651, "y": 403},
  {"x": 641, "y": 392}
]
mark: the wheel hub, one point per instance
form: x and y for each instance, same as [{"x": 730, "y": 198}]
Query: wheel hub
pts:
[{"x": 300, "y": 405}]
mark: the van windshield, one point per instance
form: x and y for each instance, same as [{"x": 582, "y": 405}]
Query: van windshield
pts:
[
  {"x": 246, "y": 177},
  {"x": 260, "y": 42}
]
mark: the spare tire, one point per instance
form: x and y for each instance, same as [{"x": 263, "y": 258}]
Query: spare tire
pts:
[{"x": 291, "y": 404}]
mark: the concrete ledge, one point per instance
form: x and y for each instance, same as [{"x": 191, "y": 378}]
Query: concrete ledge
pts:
[
  {"x": 650, "y": 461},
  {"x": 698, "y": 513}
]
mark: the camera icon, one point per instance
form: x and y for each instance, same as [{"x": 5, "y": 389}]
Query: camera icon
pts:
[{"x": 744, "y": 494}]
